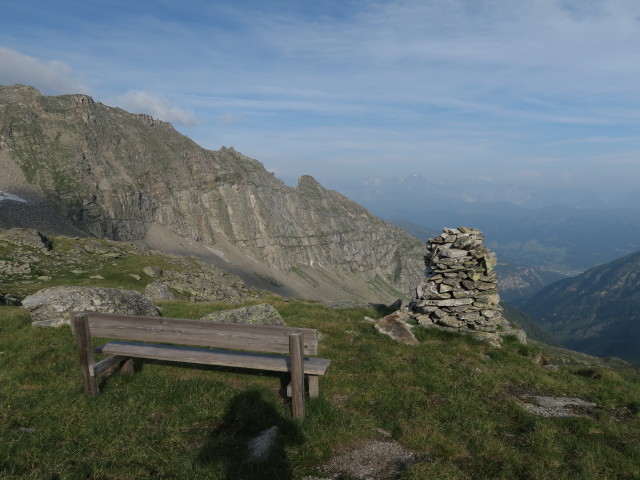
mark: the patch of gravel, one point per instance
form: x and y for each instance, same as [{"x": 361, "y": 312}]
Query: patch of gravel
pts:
[{"x": 372, "y": 460}]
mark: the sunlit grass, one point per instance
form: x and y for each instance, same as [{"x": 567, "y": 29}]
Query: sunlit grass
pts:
[{"x": 453, "y": 400}]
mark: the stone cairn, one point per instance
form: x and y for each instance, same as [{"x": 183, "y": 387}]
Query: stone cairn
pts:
[{"x": 461, "y": 289}]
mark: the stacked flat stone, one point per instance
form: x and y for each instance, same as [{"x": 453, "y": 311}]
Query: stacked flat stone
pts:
[{"x": 461, "y": 289}]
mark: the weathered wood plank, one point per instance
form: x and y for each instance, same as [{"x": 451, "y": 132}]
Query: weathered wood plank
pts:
[
  {"x": 265, "y": 338},
  {"x": 107, "y": 364},
  {"x": 85, "y": 353},
  {"x": 314, "y": 386},
  {"x": 207, "y": 356},
  {"x": 297, "y": 374}
]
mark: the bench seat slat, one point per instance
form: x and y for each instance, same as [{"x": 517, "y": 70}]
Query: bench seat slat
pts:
[
  {"x": 312, "y": 366},
  {"x": 199, "y": 332}
]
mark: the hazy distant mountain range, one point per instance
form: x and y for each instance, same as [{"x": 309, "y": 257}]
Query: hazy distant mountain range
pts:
[
  {"x": 561, "y": 239},
  {"x": 517, "y": 282}
]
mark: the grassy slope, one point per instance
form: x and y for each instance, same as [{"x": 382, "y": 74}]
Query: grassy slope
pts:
[{"x": 453, "y": 400}]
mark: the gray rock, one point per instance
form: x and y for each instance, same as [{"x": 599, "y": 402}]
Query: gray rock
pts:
[
  {"x": 452, "y": 302},
  {"x": 453, "y": 253},
  {"x": 557, "y": 407},
  {"x": 395, "y": 326},
  {"x": 450, "y": 321},
  {"x": 507, "y": 329},
  {"x": 158, "y": 292},
  {"x": 261, "y": 314},
  {"x": 50, "y": 307},
  {"x": 13, "y": 268},
  {"x": 471, "y": 317},
  {"x": 205, "y": 283},
  {"x": 153, "y": 272},
  {"x": 260, "y": 446}
]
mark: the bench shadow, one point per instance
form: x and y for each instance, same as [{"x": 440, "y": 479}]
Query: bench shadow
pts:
[
  {"x": 248, "y": 416},
  {"x": 139, "y": 364}
]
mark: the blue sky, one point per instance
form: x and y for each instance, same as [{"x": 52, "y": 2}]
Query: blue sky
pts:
[{"x": 531, "y": 93}]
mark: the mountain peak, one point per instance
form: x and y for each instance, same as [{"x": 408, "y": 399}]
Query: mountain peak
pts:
[{"x": 124, "y": 176}]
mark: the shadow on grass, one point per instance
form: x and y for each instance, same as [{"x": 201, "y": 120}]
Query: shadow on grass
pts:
[
  {"x": 140, "y": 363},
  {"x": 248, "y": 416}
]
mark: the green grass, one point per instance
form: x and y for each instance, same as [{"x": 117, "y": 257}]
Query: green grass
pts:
[
  {"x": 111, "y": 264},
  {"x": 453, "y": 400}
]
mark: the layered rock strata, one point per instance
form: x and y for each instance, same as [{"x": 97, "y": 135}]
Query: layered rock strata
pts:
[
  {"x": 461, "y": 289},
  {"x": 116, "y": 175}
]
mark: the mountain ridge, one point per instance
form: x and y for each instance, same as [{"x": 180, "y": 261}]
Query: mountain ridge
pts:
[
  {"x": 114, "y": 174},
  {"x": 596, "y": 312}
]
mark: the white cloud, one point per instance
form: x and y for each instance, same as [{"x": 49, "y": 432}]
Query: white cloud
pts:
[
  {"x": 50, "y": 77},
  {"x": 229, "y": 118},
  {"x": 443, "y": 47},
  {"x": 141, "y": 101}
]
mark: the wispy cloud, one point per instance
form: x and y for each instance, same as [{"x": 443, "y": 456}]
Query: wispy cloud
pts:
[
  {"x": 50, "y": 77},
  {"x": 601, "y": 140},
  {"x": 141, "y": 101},
  {"x": 489, "y": 87}
]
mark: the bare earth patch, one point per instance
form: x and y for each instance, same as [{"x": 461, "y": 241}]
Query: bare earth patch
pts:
[{"x": 371, "y": 460}]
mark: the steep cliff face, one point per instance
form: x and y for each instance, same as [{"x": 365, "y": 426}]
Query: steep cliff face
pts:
[{"x": 116, "y": 175}]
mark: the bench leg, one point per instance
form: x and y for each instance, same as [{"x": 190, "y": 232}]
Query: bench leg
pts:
[
  {"x": 296, "y": 349},
  {"x": 108, "y": 364},
  {"x": 127, "y": 367},
  {"x": 314, "y": 386},
  {"x": 85, "y": 352}
]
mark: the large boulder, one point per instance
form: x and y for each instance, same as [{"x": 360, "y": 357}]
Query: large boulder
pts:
[
  {"x": 262, "y": 314},
  {"x": 50, "y": 307},
  {"x": 158, "y": 292}
]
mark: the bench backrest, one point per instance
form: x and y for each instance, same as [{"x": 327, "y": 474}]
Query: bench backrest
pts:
[{"x": 234, "y": 336}]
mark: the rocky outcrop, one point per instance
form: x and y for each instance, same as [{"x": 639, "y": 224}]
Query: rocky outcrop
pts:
[
  {"x": 261, "y": 314},
  {"x": 113, "y": 174},
  {"x": 30, "y": 261},
  {"x": 51, "y": 307},
  {"x": 203, "y": 283},
  {"x": 158, "y": 292},
  {"x": 461, "y": 291},
  {"x": 396, "y": 327}
]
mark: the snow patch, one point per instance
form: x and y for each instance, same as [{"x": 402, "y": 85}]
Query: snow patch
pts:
[
  {"x": 217, "y": 253},
  {"x": 9, "y": 196}
]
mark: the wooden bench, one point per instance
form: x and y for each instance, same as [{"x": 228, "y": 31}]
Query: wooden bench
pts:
[{"x": 281, "y": 349}]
